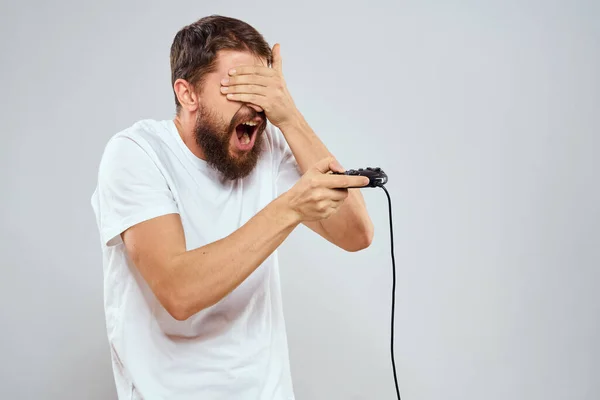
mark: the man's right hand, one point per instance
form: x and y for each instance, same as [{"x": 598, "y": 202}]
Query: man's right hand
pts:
[
  {"x": 187, "y": 281},
  {"x": 318, "y": 194}
]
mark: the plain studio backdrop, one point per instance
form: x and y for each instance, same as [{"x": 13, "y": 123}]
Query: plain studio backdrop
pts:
[{"x": 485, "y": 115}]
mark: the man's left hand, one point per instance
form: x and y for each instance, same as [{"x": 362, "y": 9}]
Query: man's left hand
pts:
[{"x": 262, "y": 87}]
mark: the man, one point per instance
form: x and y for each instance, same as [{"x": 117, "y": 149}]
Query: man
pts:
[{"x": 191, "y": 212}]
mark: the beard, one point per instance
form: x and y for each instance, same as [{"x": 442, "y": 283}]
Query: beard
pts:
[{"x": 213, "y": 135}]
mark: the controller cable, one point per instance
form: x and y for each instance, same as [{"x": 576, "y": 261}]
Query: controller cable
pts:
[
  {"x": 378, "y": 178},
  {"x": 393, "y": 288}
]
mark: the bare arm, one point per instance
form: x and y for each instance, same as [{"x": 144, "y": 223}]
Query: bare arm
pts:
[
  {"x": 186, "y": 282},
  {"x": 350, "y": 228}
]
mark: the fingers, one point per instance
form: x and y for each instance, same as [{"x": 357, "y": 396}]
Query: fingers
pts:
[
  {"x": 253, "y": 70},
  {"x": 248, "y": 86},
  {"x": 248, "y": 98},
  {"x": 248, "y": 89},
  {"x": 277, "y": 63},
  {"x": 245, "y": 80},
  {"x": 337, "y": 181},
  {"x": 344, "y": 181},
  {"x": 334, "y": 181},
  {"x": 245, "y": 84},
  {"x": 337, "y": 194},
  {"x": 323, "y": 166},
  {"x": 335, "y": 166}
]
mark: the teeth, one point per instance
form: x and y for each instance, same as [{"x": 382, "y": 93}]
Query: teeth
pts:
[
  {"x": 250, "y": 123},
  {"x": 245, "y": 139}
]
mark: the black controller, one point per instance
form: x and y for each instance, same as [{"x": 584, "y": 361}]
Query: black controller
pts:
[{"x": 376, "y": 175}]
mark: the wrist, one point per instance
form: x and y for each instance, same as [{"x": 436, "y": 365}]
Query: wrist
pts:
[
  {"x": 294, "y": 122},
  {"x": 284, "y": 212}
]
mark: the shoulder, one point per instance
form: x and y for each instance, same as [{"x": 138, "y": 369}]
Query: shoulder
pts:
[
  {"x": 137, "y": 145},
  {"x": 148, "y": 134}
]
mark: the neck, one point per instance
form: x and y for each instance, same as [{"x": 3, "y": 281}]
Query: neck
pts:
[{"x": 185, "y": 124}]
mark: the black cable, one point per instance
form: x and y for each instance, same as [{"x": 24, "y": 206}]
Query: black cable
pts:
[{"x": 393, "y": 290}]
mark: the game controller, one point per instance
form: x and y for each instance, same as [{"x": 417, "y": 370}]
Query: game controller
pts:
[{"x": 376, "y": 175}]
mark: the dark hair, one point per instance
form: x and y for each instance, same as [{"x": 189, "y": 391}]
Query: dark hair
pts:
[{"x": 195, "y": 47}]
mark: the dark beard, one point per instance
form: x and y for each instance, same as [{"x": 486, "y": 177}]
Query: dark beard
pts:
[{"x": 214, "y": 137}]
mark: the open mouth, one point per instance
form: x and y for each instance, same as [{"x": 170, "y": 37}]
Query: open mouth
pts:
[{"x": 245, "y": 133}]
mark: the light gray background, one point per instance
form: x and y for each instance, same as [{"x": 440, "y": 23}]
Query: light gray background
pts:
[{"x": 484, "y": 114}]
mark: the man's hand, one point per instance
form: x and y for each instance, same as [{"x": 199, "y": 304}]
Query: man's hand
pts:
[
  {"x": 318, "y": 194},
  {"x": 262, "y": 87}
]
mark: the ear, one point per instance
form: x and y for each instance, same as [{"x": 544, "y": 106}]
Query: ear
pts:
[{"x": 186, "y": 95}]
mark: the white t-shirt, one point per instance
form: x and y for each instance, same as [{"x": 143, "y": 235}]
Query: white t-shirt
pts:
[{"x": 236, "y": 349}]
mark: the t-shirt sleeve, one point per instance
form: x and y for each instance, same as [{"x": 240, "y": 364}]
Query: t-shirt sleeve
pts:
[
  {"x": 131, "y": 189},
  {"x": 286, "y": 168}
]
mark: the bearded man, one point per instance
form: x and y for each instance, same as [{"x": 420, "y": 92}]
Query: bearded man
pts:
[{"x": 191, "y": 212}]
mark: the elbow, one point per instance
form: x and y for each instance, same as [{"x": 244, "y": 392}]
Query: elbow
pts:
[
  {"x": 177, "y": 296},
  {"x": 362, "y": 239},
  {"x": 176, "y": 308},
  {"x": 361, "y": 244},
  {"x": 178, "y": 313},
  {"x": 178, "y": 305}
]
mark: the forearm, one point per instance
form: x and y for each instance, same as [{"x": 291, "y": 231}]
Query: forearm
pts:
[
  {"x": 202, "y": 277},
  {"x": 352, "y": 221},
  {"x": 308, "y": 149}
]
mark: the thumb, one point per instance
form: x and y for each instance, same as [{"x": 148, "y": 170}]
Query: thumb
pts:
[
  {"x": 276, "y": 52},
  {"x": 335, "y": 166},
  {"x": 323, "y": 166}
]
